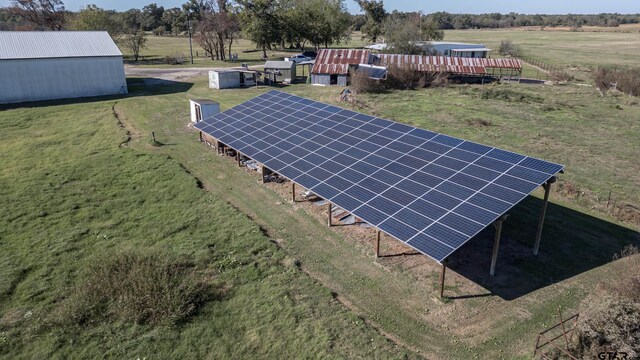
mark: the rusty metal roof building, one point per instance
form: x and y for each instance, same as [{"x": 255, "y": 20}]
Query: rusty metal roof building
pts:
[
  {"x": 337, "y": 61},
  {"x": 455, "y": 65}
]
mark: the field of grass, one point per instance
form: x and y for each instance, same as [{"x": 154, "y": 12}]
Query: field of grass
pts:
[
  {"x": 76, "y": 187},
  {"x": 566, "y": 48},
  {"x": 69, "y": 195},
  {"x": 160, "y": 46}
]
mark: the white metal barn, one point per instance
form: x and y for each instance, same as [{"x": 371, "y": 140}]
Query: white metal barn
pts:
[{"x": 44, "y": 65}]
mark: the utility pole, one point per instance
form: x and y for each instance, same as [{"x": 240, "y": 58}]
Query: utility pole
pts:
[{"x": 189, "y": 28}]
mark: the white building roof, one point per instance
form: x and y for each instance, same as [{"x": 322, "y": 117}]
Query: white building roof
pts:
[{"x": 56, "y": 44}]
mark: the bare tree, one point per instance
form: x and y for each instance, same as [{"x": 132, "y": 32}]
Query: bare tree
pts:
[
  {"x": 217, "y": 28},
  {"x": 43, "y": 14},
  {"x": 207, "y": 36},
  {"x": 134, "y": 42}
]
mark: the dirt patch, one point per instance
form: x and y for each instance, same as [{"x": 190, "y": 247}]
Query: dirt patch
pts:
[{"x": 130, "y": 131}]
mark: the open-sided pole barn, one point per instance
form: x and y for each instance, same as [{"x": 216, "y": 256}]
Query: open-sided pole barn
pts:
[{"x": 431, "y": 191}]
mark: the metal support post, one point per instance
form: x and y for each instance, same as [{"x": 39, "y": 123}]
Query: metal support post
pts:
[
  {"x": 444, "y": 270},
  {"x": 547, "y": 190},
  {"x": 329, "y": 216},
  {"x": 496, "y": 243},
  {"x": 376, "y": 244},
  {"x": 293, "y": 192}
]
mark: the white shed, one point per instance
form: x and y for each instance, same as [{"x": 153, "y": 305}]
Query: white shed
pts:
[
  {"x": 44, "y": 65},
  {"x": 231, "y": 78},
  {"x": 202, "y": 109}
]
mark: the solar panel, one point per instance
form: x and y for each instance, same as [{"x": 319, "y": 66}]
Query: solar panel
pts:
[{"x": 431, "y": 191}]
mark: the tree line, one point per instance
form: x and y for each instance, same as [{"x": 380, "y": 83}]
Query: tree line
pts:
[
  {"x": 447, "y": 21},
  {"x": 214, "y": 24}
]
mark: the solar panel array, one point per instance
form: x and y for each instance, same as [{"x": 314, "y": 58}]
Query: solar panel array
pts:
[{"x": 432, "y": 191}]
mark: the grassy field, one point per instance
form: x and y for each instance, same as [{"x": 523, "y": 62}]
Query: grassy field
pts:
[
  {"x": 160, "y": 46},
  {"x": 82, "y": 180},
  {"x": 566, "y": 48},
  {"x": 70, "y": 195}
]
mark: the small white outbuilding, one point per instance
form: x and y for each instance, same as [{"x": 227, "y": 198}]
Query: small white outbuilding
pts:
[
  {"x": 202, "y": 109},
  {"x": 229, "y": 78},
  {"x": 45, "y": 65}
]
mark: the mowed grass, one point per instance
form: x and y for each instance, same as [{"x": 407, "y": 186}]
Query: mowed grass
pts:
[{"x": 70, "y": 195}]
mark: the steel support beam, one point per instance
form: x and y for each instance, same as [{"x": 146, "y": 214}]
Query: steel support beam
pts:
[
  {"x": 496, "y": 243},
  {"x": 200, "y": 134},
  {"x": 238, "y": 158},
  {"x": 376, "y": 243},
  {"x": 543, "y": 213},
  {"x": 329, "y": 215},
  {"x": 293, "y": 192},
  {"x": 444, "y": 270}
]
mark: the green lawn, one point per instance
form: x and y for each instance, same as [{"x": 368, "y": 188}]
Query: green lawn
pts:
[{"x": 69, "y": 195}]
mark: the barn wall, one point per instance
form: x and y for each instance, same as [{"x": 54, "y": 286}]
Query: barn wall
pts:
[
  {"x": 228, "y": 80},
  {"x": 320, "y": 79},
  {"x": 342, "y": 80},
  {"x": 60, "y": 78}
]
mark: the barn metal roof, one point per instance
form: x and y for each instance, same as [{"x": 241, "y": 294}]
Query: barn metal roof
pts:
[
  {"x": 458, "y": 65},
  {"x": 279, "y": 64},
  {"x": 56, "y": 44},
  {"x": 337, "y": 61}
]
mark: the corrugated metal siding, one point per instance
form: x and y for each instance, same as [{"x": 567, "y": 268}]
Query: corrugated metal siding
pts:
[
  {"x": 56, "y": 44},
  {"x": 45, "y": 79},
  {"x": 456, "y": 65},
  {"x": 337, "y": 61},
  {"x": 279, "y": 65},
  {"x": 342, "y": 80},
  {"x": 318, "y": 79}
]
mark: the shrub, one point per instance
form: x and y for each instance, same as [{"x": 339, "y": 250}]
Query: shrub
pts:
[
  {"x": 362, "y": 83},
  {"x": 560, "y": 76},
  {"x": 508, "y": 48},
  {"x": 626, "y": 81},
  {"x": 175, "y": 59},
  {"x": 150, "y": 288},
  {"x": 406, "y": 78},
  {"x": 509, "y": 95},
  {"x": 611, "y": 316}
]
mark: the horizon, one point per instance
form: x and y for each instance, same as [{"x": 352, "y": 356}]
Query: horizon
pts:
[{"x": 542, "y": 7}]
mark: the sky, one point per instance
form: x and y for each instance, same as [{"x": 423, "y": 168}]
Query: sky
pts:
[{"x": 426, "y": 6}]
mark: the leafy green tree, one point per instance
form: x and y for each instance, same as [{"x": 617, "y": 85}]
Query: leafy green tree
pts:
[
  {"x": 376, "y": 15},
  {"x": 320, "y": 22},
  {"x": 174, "y": 20},
  {"x": 131, "y": 20},
  {"x": 93, "y": 18},
  {"x": 152, "y": 16},
  {"x": 410, "y": 34},
  {"x": 262, "y": 23},
  {"x": 42, "y": 14}
]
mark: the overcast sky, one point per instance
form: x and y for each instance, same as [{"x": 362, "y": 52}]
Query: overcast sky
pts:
[{"x": 427, "y": 6}]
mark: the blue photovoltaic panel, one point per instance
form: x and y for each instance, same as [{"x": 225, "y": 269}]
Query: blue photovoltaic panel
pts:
[{"x": 432, "y": 191}]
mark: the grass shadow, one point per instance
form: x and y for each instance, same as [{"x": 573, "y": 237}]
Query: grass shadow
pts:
[
  {"x": 136, "y": 87},
  {"x": 572, "y": 243}
]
